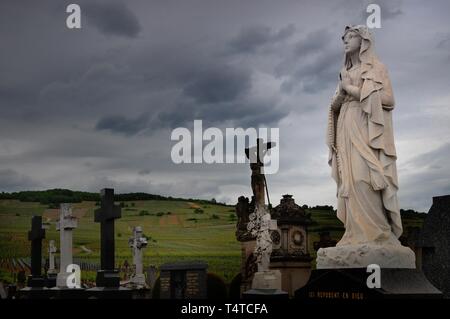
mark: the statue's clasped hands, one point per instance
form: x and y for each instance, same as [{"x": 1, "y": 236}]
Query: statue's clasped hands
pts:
[
  {"x": 345, "y": 85},
  {"x": 345, "y": 82}
]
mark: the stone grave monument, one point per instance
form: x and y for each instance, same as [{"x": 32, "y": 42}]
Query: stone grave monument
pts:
[
  {"x": 185, "y": 280},
  {"x": 266, "y": 282},
  {"x": 151, "y": 277},
  {"x": 434, "y": 243},
  {"x": 290, "y": 253}
]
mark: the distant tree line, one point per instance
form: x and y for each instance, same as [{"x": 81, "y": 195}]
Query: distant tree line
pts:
[
  {"x": 322, "y": 207},
  {"x": 403, "y": 212},
  {"x": 57, "y": 195},
  {"x": 410, "y": 213}
]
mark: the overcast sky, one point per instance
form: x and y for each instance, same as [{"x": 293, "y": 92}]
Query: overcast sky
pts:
[{"x": 93, "y": 108}]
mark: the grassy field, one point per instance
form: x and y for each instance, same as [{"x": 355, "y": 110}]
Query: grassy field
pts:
[{"x": 176, "y": 230}]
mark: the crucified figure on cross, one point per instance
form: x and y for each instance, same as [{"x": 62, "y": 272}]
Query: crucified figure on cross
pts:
[{"x": 258, "y": 180}]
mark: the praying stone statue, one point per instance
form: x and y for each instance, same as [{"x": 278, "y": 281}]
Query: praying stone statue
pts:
[{"x": 362, "y": 157}]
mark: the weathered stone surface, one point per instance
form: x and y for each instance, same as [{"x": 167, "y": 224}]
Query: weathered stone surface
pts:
[{"x": 360, "y": 256}]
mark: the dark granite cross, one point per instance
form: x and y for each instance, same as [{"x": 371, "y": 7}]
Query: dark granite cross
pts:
[
  {"x": 35, "y": 235},
  {"x": 105, "y": 215}
]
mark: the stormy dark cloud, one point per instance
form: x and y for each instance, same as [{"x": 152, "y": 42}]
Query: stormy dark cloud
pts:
[
  {"x": 253, "y": 38},
  {"x": 216, "y": 85},
  {"x": 112, "y": 18},
  {"x": 95, "y": 107},
  {"x": 122, "y": 125}
]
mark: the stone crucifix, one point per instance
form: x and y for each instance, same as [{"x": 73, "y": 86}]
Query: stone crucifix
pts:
[
  {"x": 107, "y": 276},
  {"x": 36, "y": 235},
  {"x": 256, "y": 155},
  {"x": 260, "y": 223},
  {"x": 65, "y": 225},
  {"x": 137, "y": 243},
  {"x": 51, "y": 257}
]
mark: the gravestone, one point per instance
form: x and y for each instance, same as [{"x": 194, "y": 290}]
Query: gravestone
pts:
[
  {"x": 108, "y": 279},
  {"x": 3, "y": 293},
  {"x": 290, "y": 253},
  {"x": 151, "y": 277},
  {"x": 51, "y": 272},
  {"x": 186, "y": 280},
  {"x": 65, "y": 225},
  {"x": 137, "y": 243},
  {"x": 108, "y": 212},
  {"x": 434, "y": 243},
  {"x": 36, "y": 235},
  {"x": 36, "y": 282}
]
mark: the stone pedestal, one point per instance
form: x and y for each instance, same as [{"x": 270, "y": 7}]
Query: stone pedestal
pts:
[
  {"x": 270, "y": 279},
  {"x": 35, "y": 293},
  {"x": 351, "y": 284},
  {"x": 360, "y": 256},
  {"x": 109, "y": 293},
  {"x": 266, "y": 284},
  {"x": 50, "y": 280},
  {"x": 294, "y": 274},
  {"x": 108, "y": 278},
  {"x": 138, "y": 280},
  {"x": 248, "y": 264},
  {"x": 69, "y": 293}
]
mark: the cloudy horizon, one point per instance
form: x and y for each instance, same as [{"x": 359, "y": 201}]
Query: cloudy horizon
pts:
[{"x": 93, "y": 108}]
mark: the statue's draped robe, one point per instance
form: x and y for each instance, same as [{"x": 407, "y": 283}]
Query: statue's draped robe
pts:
[{"x": 363, "y": 157}]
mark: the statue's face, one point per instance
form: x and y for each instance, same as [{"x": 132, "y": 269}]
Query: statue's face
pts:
[{"x": 352, "y": 42}]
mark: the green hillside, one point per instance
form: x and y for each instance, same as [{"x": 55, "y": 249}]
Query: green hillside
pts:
[{"x": 176, "y": 230}]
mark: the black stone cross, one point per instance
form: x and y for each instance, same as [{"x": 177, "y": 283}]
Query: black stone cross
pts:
[
  {"x": 108, "y": 276},
  {"x": 35, "y": 235}
]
